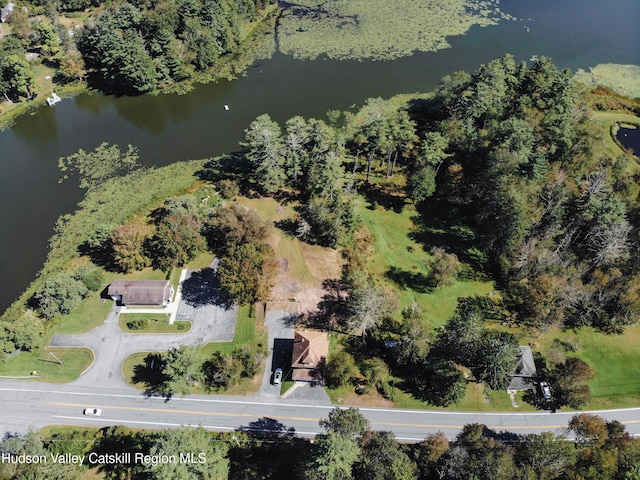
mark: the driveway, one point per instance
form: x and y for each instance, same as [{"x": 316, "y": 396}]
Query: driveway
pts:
[
  {"x": 211, "y": 321},
  {"x": 280, "y": 326}
]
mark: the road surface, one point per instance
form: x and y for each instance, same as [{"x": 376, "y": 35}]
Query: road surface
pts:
[{"x": 32, "y": 405}]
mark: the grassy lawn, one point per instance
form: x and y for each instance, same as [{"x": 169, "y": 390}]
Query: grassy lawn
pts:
[
  {"x": 150, "y": 323},
  {"x": 614, "y": 359},
  {"x": 203, "y": 260},
  {"x": 284, "y": 245},
  {"x": 246, "y": 332},
  {"x": 74, "y": 362},
  {"x": 91, "y": 312},
  {"x": 395, "y": 248}
]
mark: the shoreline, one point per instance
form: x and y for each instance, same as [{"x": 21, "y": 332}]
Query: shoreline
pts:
[{"x": 229, "y": 67}]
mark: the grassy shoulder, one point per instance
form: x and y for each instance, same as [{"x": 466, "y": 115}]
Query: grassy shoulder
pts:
[
  {"x": 141, "y": 323},
  {"x": 47, "y": 368}
]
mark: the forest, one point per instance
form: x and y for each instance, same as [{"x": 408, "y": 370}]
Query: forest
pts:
[
  {"x": 123, "y": 48},
  {"x": 348, "y": 449}
]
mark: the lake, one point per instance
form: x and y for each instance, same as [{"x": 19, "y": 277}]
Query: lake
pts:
[{"x": 169, "y": 128}]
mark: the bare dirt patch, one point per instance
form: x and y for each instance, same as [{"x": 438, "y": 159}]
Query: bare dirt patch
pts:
[
  {"x": 302, "y": 267},
  {"x": 321, "y": 263}
]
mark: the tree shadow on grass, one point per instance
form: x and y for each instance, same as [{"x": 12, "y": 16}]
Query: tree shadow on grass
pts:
[
  {"x": 234, "y": 167},
  {"x": 203, "y": 288},
  {"x": 418, "y": 282},
  {"x": 150, "y": 375},
  {"x": 331, "y": 309},
  {"x": 288, "y": 226},
  {"x": 387, "y": 199},
  {"x": 447, "y": 226},
  {"x": 268, "y": 427}
]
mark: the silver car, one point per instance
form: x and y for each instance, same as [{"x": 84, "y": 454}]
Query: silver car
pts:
[
  {"x": 92, "y": 412},
  {"x": 546, "y": 391}
]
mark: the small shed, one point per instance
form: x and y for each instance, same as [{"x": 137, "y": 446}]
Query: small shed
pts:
[
  {"x": 141, "y": 292},
  {"x": 6, "y": 11},
  {"x": 525, "y": 372},
  {"x": 310, "y": 350}
]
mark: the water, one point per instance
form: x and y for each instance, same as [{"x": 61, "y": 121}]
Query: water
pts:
[
  {"x": 169, "y": 128},
  {"x": 630, "y": 138}
]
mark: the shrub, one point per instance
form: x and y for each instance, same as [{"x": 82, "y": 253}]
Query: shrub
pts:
[
  {"x": 228, "y": 189},
  {"x": 138, "y": 323}
]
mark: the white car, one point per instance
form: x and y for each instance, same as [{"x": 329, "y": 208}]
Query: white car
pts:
[
  {"x": 92, "y": 412},
  {"x": 277, "y": 376},
  {"x": 546, "y": 391}
]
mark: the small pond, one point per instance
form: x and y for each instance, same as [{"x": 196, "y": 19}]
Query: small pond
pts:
[{"x": 630, "y": 138}]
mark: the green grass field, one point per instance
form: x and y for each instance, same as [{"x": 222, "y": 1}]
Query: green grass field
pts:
[
  {"x": 614, "y": 359},
  {"x": 394, "y": 248},
  {"x": 74, "y": 362}
]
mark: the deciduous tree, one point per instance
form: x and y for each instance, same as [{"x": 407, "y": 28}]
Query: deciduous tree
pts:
[
  {"x": 181, "y": 369},
  {"x": 246, "y": 274},
  {"x": 367, "y": 306},
  {"x": 346, "y": 422},
  {"x": 207, "y": 458}
]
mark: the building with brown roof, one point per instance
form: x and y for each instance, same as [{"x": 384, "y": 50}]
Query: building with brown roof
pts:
[
  {"x": 310, "y": 350},
  {"x": 141, "y": 292}
]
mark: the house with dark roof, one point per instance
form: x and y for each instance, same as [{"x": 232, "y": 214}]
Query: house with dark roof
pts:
[
  {"x": 141, "y": 292},
  {"x": 310, "y": 350},
  {"x": 525, "y": 372}
]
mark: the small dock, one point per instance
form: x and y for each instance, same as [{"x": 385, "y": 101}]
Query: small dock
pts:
[{"x": 53, "y": 99}]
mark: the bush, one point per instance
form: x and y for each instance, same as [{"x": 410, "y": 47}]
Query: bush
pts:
[
  {"x": 138, "y": 323},
  {"x": 340, "y": 370},
  {"x": 228, "y": 189},
  {"x": 90, "y": 275}
]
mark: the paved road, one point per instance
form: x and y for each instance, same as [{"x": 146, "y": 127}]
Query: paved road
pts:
[{"x": 31, "y": 405}]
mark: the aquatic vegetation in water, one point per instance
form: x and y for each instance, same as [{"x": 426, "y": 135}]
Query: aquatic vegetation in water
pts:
[
  {"x": 378, "y": 29},
  {"x": 623, "y": 79}
]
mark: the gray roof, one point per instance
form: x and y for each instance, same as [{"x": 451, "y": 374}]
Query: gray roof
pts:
[
  {"x": 525, "y": 372},
  {"x": 4, "y": 13},
  {"x": 141, "y": 292}
]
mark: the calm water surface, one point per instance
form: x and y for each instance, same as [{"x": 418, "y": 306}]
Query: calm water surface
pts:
[
  {"x": 168, "y": 128},
  {"x": 630, "y": 138}
]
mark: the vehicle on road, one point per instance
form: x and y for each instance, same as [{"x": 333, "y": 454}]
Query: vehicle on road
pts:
[
  {"x": 546, "y": 391},
  {"x": 277, "y": 376},
  {"x": 92, "y": 412}
]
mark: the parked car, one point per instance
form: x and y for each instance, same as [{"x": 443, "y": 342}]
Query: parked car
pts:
[
  {"x": 277, "y": 376},
  {"x": 545, "y": 390},
  {"x": 92, "y": 412}
]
